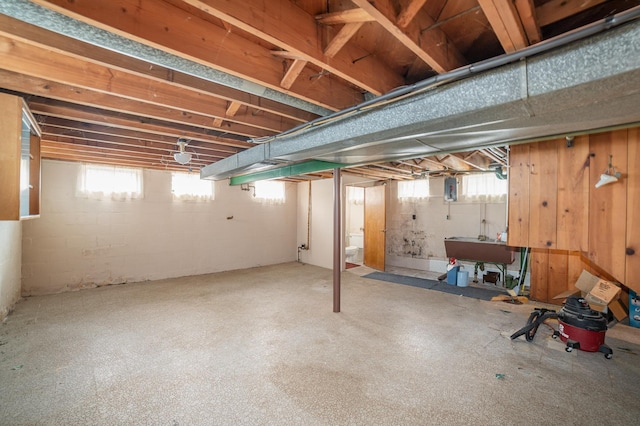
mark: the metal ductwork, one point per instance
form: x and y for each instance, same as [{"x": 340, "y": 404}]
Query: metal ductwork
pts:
[{"x": 580, "y": 87}]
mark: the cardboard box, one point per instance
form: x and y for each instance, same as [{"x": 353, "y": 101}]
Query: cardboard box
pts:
[
  {"x": 634, "y": 309},
  {"x": 601, "y": 295}
]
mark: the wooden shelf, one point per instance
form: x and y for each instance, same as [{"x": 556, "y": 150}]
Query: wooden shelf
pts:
[{"x": 19, "y": 160}]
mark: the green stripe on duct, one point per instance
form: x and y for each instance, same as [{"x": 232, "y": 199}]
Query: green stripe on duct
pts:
[{"x": 286, "y": 171}]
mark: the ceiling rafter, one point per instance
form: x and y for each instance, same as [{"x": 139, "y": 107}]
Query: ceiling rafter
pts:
[
  {"x": 527, "y": 11},
  {"x": 557, "y": 10},
  {"x": 293, "y": 72},
  {"x": 62, "y": 126},
  {"x": 301, "y": 39},
  {"x": 88, "y": 52},
  {"x": 40, "y": 62},
  {"x": 108, "y": 118},
  {"x": 440, "y": 55},
  {"x": 409, "y": 12},
  {"x": 347, "y": 16},
  {"x": 204, "y": 43},
  {"x": 342, "y": 38},
  {"x": 505, "y": 21}
]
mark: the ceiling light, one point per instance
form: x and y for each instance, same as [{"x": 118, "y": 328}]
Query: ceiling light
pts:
[{"x": 182, "y": 156}]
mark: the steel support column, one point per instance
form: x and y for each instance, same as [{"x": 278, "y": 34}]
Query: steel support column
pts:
[{"x": 337, "y": 254}]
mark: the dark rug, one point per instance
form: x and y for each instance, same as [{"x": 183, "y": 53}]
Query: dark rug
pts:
[
  {"x": 474, "y": 292},
  {"x": 350, "y": 265}
]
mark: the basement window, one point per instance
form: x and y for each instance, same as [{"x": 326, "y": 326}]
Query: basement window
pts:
[
  {"x": 270, "y": 191},
  {"x": 413, "y": 189},
  {"x": 103, "y": 181},
  {"x": 484, "y": 187},
  {"x": 189, "y": 187}
]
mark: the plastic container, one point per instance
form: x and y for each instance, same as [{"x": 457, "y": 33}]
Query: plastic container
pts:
[
  {"x": 452, "y": 275},
  {"x": 463, "y": 278}
]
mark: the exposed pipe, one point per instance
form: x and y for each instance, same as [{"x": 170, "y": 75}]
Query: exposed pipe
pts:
[{"x": 467, "y": 71}]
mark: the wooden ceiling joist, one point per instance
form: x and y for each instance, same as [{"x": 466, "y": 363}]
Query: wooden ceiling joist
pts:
[
  {"x": 108, "y": 118},
  {"x": 67, "y": 45},
  {"x": 341, "y": 39},
  {"x": 293, "y": 72},
  {"x": 27, "y": 59},
  {"x": 215, "y": 47},
  {"x": 505, "y": 21},
  {"x": 557, "y": 10},
  {"x": 79, "y": 96},
  {"x": 440, "y": 55}
]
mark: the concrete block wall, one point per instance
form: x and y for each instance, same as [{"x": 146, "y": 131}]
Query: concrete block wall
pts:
[
  {"x": 10, "y": 265},
  {"x": 411, "y": 243},
  {"x": 79, "y": 242},
  {"x": 419, "y": 243}
]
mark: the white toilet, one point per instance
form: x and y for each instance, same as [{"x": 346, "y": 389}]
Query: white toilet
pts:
[{"x": 356, "y": 242}]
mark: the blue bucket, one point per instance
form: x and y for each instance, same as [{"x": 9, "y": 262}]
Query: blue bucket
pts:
[
  {"x": 452, "y": 275},
  {"x": 463, "y": 278}
]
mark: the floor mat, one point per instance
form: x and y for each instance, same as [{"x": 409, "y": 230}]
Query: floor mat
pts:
[
  {"x": 474, "y": 292},
  {"x": 350, "y": 265}
]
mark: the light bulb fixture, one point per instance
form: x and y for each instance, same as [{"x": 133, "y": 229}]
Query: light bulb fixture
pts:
[
  {"x": 182, "y": 156},
  {"x": 609, "y": 176}
]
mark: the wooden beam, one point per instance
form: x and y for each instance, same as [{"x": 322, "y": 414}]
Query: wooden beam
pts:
[
  {"x": 33, "y": 60},
  {"x": 27, "y": 85},
  {"x": 292, "y": 73},
  {"x": 433, "y": 47},
  {"x": 409, "y": 11},
  {"x": 505, "y": 21},
  {"x": 86, "y": 51},
  {"x": 453, "y": 162},
  {"x": 527, "y": 11},
  {"x": 341, "y": 39},
  {"x": 300, "y": 36},
  {"x": 108, "y": 118},
  {"x": 232, "y": 109},
  {"x": 556, "y": 10},
  {"x": 162, "y": 25},
  {"x": 62, "y": 127},
  {"x": 341, "y": 17}
]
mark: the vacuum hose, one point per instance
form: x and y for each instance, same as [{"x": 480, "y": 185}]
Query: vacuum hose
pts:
[{"x": 537, "y": 317}]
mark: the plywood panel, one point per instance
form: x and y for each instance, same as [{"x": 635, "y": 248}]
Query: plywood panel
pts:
[
  {"x": 543, "y": 188},
  {"x": 539, "y": 274},
  {"x": 632, "y": 248},
  {"x": 518, "y": 221},
  {"x": 608, "y": 204},
  {"x": 557, "y": 277},
  {"x": 573, "y": 195}
]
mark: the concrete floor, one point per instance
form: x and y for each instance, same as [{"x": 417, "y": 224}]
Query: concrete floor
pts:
[{"x": 262, "y": 346}]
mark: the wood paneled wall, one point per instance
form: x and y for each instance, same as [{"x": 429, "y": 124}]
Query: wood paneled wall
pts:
[{"x": 555, "y": 209}]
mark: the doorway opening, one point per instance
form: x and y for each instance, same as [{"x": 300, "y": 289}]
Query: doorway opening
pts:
[{"x": 354, "y": 227}]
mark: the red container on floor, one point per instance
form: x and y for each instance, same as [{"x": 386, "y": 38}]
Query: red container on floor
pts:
[
  {"x": 581, "y": 327},
  {"x": 590, "y": 341}
]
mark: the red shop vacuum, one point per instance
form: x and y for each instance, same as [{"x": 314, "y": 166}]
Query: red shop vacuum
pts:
[{"x": 579, "y": 326}]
